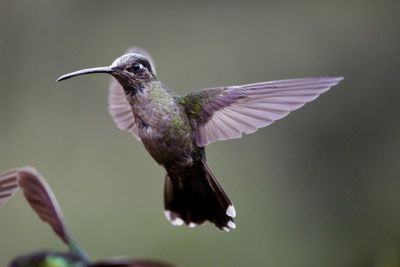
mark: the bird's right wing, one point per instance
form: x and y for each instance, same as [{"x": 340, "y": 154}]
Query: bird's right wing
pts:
[
  {"x": 228, "y": 112},
  {"x": 118, "y": 105},
  {"x": 42, "y": 200}
]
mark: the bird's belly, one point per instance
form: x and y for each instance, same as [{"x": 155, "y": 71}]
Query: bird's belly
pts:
[{"x": 167, "y": 146}]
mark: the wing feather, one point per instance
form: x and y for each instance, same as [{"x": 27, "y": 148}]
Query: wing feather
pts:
[
  {"x": 120, "y": 109},
  {"x": 229, "y": 112}
]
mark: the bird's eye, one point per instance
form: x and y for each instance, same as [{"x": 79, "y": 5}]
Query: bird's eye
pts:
[{"x": 136, "y": 67}]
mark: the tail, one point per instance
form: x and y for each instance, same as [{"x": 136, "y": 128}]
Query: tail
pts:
[{"x": 193, "y": 195}]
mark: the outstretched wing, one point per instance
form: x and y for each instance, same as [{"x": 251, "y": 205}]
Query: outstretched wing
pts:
[
  {"x": 8, "y": 186},
  {"x": 229, "y": 112},
  {"x": 118, "y": 106},
  {"x": 42, "y": 200}
]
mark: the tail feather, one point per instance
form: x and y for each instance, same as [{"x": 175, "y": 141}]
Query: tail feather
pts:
[{"x": 193, "y": 195}]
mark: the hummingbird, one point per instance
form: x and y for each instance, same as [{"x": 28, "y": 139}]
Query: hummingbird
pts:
[
  {"x": 175, "y": 129},
  {"x": 42, "y": 200}
]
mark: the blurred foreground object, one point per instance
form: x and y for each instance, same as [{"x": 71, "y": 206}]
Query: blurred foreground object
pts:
[{"x": 42, "y": 200}]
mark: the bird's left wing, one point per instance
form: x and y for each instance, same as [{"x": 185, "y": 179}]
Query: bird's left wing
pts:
[
  {"x": 120, "y": 110},
  {"x": 118, "y": 105},
  {"x": 228, "y": 112}
]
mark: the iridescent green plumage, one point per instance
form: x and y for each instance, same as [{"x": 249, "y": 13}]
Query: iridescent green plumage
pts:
[{"x": 194, "y": 102}]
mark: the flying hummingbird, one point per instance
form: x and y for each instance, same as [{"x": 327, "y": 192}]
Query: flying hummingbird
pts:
[
  {"x": 42, "y": 200},
  {"x": 175, "y": 129}
]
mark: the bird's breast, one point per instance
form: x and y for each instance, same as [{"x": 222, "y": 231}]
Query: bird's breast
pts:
[{"x": 167, "y": 134}]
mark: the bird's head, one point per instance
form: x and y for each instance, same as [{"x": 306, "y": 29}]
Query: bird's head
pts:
[{"x": 131, "y": 70}]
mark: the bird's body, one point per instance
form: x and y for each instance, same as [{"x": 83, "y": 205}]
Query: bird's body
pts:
[
  {"x": 163, "y": 125},
  {"x": 160, "y": 118},
  {"x": 175, "y": 129},
  {"x": 167, "y": 133}
]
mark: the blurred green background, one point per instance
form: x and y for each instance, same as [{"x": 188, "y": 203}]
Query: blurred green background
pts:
[{"x": 319, "y": 188}]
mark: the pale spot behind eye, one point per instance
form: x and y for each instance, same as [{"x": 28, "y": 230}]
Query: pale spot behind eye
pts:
[{"x": 149, "y": 130}]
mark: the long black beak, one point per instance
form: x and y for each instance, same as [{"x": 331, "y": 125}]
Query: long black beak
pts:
[{"x": 85, "y": 71}]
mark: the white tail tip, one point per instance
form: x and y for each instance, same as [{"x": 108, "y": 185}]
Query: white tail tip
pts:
[
  {"x": 231, "y": 225},
  {"x": 173, "y": 218},
  {"x": 230, "y": 211}
]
